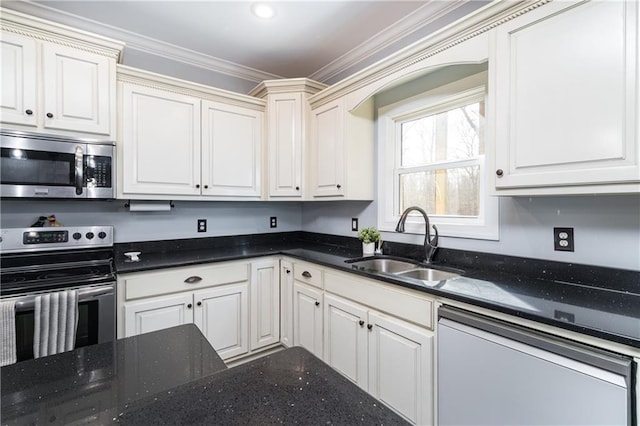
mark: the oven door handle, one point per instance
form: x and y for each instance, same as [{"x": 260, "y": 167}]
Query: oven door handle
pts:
[
  {"x": 79, "y": 170},
  {"x": 27, "y": 303}
]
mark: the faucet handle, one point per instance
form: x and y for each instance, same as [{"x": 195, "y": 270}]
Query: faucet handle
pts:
[{"x": 433, "y": 242}]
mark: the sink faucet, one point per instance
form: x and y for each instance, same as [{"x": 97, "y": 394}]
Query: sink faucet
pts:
[{"x": 430, "y": 244}]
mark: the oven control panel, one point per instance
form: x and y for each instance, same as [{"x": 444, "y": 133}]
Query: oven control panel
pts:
[
  {"x": 44, "y": 237},
  {"x": 14, "y": 240}
]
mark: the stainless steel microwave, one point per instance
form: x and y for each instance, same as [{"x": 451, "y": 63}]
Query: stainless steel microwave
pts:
[{"x": 42, "y": 166}]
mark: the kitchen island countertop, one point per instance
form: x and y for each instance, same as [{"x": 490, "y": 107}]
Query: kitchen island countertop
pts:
[{"x": 174, "y": 376}]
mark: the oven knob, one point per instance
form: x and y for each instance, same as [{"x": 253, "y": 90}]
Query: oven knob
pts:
[
  {"x": 89, "y": 235},
  {"x": 77, "y": 235},
  {"x": 102, "y": 235}
]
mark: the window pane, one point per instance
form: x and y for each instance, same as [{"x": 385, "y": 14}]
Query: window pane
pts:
[
  {"x": 447, "y": 192},
  {"x": 449, "y": 135}
]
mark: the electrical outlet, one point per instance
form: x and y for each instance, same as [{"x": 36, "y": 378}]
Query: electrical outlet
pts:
[
  {"x": 273, "y": 222},
  {"x": 354, "y": 224},
  {"x": 563, "y": 239},
  {"x": 202, "y": 225}
]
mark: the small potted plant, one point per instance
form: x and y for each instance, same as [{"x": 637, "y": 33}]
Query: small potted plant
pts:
[{"x": 369, "y": 237}]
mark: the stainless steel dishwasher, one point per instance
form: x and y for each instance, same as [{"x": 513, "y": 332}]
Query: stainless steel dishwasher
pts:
[{"x": 494, "y": 373}]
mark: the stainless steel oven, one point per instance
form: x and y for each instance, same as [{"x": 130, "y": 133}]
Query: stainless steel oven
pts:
[
  {"x": 37, "y": 261},
  {"x": 34, "y": 165}
]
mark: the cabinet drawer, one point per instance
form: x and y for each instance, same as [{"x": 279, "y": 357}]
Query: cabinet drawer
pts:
[
  {"x": 412, "y": 307},
  {"x": 307, "y": 273},
  {"x": 173, "y": 280}
]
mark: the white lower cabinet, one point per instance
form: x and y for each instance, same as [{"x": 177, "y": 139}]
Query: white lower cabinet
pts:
[
  {"x": 158, "y": 313},
  {"x": 377, "y": 335},
  {"x": 307, "y": 318},
  {"x": 265, "y": 304},
  {"x": 346, "y": 338},
  {"x": 222, "y": 314},
  {"x": 401, "y": 367},
  {"x": 390, "y": 358},
  {"x": 236, "y": 305},
  {"x": 286, "y": 303}
]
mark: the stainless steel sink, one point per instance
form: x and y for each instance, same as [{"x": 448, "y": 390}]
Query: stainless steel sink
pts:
[
  {"x": 405, "y": 270},
  {"x": 390, "y": 266},
  {"x": 427, "y": 274}
]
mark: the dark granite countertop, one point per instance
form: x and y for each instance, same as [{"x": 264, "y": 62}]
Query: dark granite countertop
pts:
[
  {"x": 597, "y": 301},
  {"x": 288, "y": 387},
  {"x": 93, "y": 384},
  {"x": 174, "y": 376}
]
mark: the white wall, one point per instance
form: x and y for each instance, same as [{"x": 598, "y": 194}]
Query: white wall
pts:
[
  {"x": 223, "y": 218},
  {"x": 606, "y": 228}
]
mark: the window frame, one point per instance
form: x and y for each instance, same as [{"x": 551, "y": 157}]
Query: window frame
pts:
[{"x": 390, "y": 118}]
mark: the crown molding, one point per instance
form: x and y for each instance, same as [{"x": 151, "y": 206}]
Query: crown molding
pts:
[
  {"x": 288, "y": 85},
  {"x": 145, "y": 44},
  {"x": 36, "y": 28},
  {"x": 478, "y": 22},
  {"x": 411, "y": 23},
  {"x": 126, "y": 74}
]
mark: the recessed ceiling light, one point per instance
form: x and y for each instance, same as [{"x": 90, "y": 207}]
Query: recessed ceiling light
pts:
[{"x": 262, "y": 10}]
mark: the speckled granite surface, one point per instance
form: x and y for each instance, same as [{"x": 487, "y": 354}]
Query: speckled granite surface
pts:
[
  {"x": 174, "y": 376},
  {"x": 598, "y": 301},
  {"x": 94, "y": 384},
  {"x": 288, "y": 387}
]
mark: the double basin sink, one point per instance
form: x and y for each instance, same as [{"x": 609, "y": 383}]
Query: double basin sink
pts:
[{"x": 404, "y": 269}]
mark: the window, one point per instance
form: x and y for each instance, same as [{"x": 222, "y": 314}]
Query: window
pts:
[{"x": 432, "y": 150}]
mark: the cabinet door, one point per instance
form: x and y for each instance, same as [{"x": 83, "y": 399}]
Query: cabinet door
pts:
[
  {"x": 345, "y": 338},
  {"x": 307, "y": 318},
  {"x": 286, "y": 303},
  {"x": 222, "y": 314},
  {"x": 285, "y": 145},
  {"x": 265, "y": 304},
  {"x": 401, "y": 367},
  {"x": 160, "y": 141},
  {"x": 328, "y": 149},
  {"x": 78, "y": 90},
  {"x": 231, "y": 150},
  {"x": 18, "y": 95},
  {"x": 157, "y": 313},
  {"x": 566, "y": 87}
]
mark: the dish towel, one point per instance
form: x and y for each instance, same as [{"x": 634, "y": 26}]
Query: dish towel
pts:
[
  {"x": 55, "y": 323},
  {"x": 8, "y": 327}
]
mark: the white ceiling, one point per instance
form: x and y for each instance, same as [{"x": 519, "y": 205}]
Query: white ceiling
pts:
[{"x": 315, "y": 39}]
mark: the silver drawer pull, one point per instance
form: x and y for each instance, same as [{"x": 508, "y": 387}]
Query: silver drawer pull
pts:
[
  {"x": 306, "y": 274},
  {"x": 192, "y": 280}
]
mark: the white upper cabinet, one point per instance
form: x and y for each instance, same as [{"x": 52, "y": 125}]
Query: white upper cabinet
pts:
[
  {"x": 564, "y": 97},
  {"x": 342, "y": 151},
  {"x": 231, "y": 150},
  {"x": 328, "y": 153},
  {"x": 160, "y": 141},
  {"x": 78, "y": 90},
  {"x": 287, "y": 122},
  {"x": 56, "y": 79},
  {"x": 285, "y": 144},
  {"x": 184, "y": 141},
  {"x": 18, "y": 98}
]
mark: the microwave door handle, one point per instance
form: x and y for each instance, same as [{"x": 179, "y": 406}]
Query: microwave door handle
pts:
[{"x": 79, "y": 170}]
